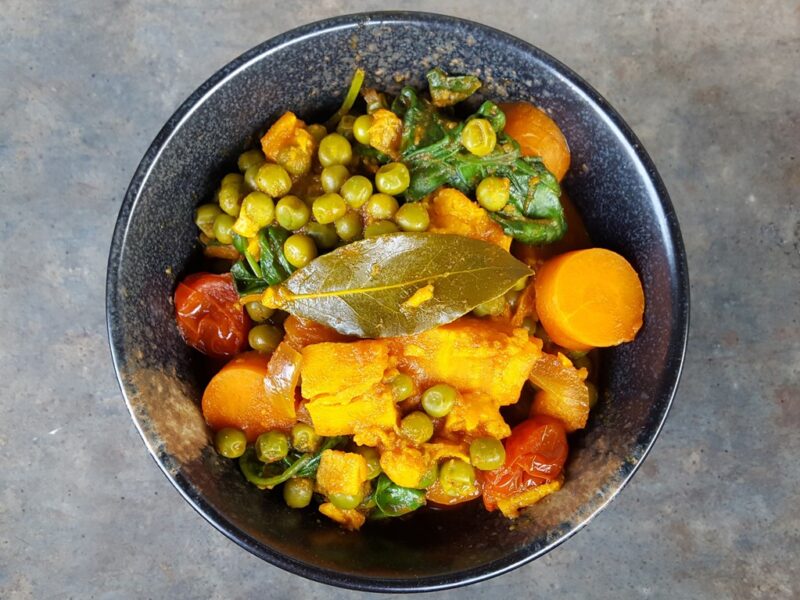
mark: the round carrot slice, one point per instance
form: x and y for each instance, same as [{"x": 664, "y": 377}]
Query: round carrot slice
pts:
[
  {"x": 238, "y": 397},
  {"x": 589, "y": 299},
  {"x": 537, "y": 135}
]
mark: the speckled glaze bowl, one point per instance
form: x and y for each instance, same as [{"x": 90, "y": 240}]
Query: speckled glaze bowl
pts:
[{"x": 613, "y": 183}]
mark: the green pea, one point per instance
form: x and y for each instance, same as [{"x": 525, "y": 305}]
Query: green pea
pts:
[
  {"x": 222, "y": 229},
  {"x": 345, "y": 126},
  {"x": 230, "y": 442},
  {"x": 204, "y": 218},
  {"x": 491, "y": 308},
  {"x": 258, "y": 312},
  {"x": 379, "y": 228},
  {"x": 349, "y": 227},
  {"x": 232, "y": 179},
  {"x": 392, "y": 178},
  {"x": 381, "y": 206},
  {"x": 317, "y": 131},
  {"x": 345, "y": 501},
  {"x": 373, "y": 460},
  {"x": 521, "y": 284},
  {"x": 402, "y": 387},
  {"x": 429, "y": 478},
  {"x": 259, "y": 208},
  {"x": 439, "y": 400},
  {"x": 333, "y": 177},
  {"x": 292, "y": 213},
  {"x": 493, "y": 193},
  {"x": 299, "y": 250},
  {"x": 251, "y": 175},
  {"x": 361, "y": 129},
  {"x": 487, "y": 453},
  {"x": 230, "y": 197},
  {"x": 356, "y": 191},
  {"x": 417, "y": 426},
  {"x": 297, "y": 161},
  {"x": 250, "y": 158},
  {"x": 593, "y": 394},
  {"x": 297, "y": 492},
  {"x": 412, "y": 217},
  {"x": 478, "y": 137},
  {"x": 324, "y": 236},
  {"x": 304, "y": 438},
  {"x": 328, "y": 207},
  {"x": 271, "y": 446},
  {"x": 457, "y": 478},
  {"x": 264, "y": 338},
  {"x": 334, "y": 149},
  {"x": 273, "y": 180}
]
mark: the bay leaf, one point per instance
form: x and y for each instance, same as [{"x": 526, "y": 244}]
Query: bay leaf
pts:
[{"x": 397, "y": 284}]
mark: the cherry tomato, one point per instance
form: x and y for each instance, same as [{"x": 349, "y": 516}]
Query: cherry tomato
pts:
[
  {"x": 535, "y": 453},
  {"x": 209, "y": 315}
]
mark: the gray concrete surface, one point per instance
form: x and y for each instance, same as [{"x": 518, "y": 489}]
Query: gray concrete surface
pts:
[{"x": 711, "y": 88}]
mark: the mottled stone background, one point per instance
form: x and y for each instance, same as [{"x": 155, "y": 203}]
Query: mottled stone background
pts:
[{"x": 711, "y": 88}]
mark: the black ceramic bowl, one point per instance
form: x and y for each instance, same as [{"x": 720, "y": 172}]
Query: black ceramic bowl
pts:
[{"x": 612, "y": 181}]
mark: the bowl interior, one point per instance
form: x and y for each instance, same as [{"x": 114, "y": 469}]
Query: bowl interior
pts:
[{"x": 611, "y": 181}]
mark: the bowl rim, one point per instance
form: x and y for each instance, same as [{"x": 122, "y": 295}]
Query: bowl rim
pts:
[{"x": 678, "y": 268}]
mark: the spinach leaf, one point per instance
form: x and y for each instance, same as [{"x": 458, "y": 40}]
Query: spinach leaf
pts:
[
  {"x": 422, "y": 123},
  {"x": 254, "y": 276},
  {"x": 297, "y": 465},
  {"x": 447, "y": 90},
  {"x": 391, "y": 500},
  {"x": 533, "y": 215}
]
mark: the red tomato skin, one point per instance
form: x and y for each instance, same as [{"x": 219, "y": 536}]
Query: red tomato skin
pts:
[
  {"x": 536, "y": 452},
  {"x": 209, "y": 316}
]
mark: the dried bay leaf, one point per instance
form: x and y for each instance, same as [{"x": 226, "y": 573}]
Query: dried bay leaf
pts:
[{"x": 363, "y": 289}]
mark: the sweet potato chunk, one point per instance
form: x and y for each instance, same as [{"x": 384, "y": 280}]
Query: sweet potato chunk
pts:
[
  {"x": 340, "y": 372},
  {"x": 472, "y": 355},
  {"x": 405, "y": 465},
  {"x": 386, "y": 132},
  {"x": 341, "y": 473},
  {"x": 452, "y": 212},
  {"x": 348, "y": 518},
  {"x": 343, "y": 385},
  {"x": 477, "y": 414},
  {"x": 374, "y": 410}
]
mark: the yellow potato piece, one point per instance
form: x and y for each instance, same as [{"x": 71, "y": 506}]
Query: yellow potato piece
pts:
[
  {"x": 341, "y": 472},
  {"x": 348, "y": 518},
  {"x": 370, "y": 411},
  {"x": 472, "y": 355},
  {"x": 451, "y": 211},
  {"x": 477, "y": 414}
]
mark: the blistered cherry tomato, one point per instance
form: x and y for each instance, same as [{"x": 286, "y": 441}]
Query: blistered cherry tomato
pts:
[
  {"x": 535, "y": 453},
  {"x": 209, "y": 315}
]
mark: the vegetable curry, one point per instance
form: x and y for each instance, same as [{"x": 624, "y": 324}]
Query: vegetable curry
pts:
[{"x": 407, "y": 304}]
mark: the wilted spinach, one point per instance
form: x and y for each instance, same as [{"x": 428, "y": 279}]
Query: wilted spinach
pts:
[
  {"x": 254, "y": 276},
  {"x": 294, "y": 465},
  {"x": 392, "y": 500}
]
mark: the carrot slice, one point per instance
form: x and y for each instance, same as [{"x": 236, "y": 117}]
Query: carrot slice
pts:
[
  {"x": 589, "y": 298},
  {"x": 537, "y": 135},
  {"x": 237, "y": 396}
]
